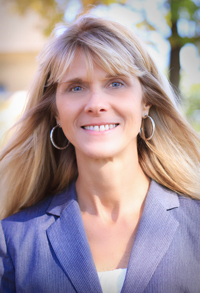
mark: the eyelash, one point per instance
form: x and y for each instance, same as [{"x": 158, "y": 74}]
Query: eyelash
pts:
[
  {"x": 120, "y": 84},
  {"x": 116, "y": 82},
  {"x": 72, "y": 89}
]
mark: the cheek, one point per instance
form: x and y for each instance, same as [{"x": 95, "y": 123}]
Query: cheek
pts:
[
  {"x": 66, "y": 119},
  {"x": 68, "y": 116},
  {"x": 67, "y": 127},
  {"x": 63, "y": 109},
  {"x": 133, "y": 118},
  {"x": 132, "y": 110}
]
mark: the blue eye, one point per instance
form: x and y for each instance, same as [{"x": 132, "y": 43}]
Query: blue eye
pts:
[
  {"x": 116, "y": 84},
  {"x": 76, "y": 89}
]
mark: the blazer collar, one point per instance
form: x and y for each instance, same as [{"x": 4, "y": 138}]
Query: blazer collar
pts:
[
  {"x": 61, "y": 201},
  {"x": 155, "y": 233},
  {"x": 69, "y": 242},
  {"x": 167, "y": 198}
]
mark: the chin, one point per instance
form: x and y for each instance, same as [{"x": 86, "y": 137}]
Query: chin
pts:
[{"x": 98, "y": 152}]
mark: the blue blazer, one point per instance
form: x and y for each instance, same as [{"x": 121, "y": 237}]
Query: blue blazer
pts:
[{"x": 44, "y": 248}]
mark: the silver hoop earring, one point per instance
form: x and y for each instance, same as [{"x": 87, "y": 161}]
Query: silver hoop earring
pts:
[
  {"x": 142, "y": 128},
  {"x": 52, "y": 141}
]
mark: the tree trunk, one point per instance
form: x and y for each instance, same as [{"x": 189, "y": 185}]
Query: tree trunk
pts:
[
  {"x": 175, "y": 59},
  {"x": 175, "y": 67}
]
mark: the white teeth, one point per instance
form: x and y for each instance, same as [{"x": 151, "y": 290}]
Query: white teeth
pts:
[
  {"x": 100, "y": 127},
  {"x": 96, "y": 128}
]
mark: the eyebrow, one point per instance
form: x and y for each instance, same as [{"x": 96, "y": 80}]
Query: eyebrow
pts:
[
  {"x": 80, "y": 80},
  {"x": 115, "y": 76},
  {"x": 73, "y": 80}
]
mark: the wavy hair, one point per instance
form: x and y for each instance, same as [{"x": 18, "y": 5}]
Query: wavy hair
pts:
[{"x": 31, "y": 168}]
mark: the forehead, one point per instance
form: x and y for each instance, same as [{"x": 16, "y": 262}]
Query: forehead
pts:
[
  {"x": 86, "y": 66},
  {"x": 80, "y": 65}
]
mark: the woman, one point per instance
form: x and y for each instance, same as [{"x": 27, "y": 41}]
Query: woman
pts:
[{"x": 113, "y": 204}]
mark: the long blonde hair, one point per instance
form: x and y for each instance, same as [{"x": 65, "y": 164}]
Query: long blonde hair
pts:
[{"x": 31, "y": 168}]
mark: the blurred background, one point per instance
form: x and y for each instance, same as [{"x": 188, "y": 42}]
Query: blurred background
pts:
[{"x": 171, "y": 30}]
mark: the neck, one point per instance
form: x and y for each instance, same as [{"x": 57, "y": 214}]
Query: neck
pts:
[{"x": 111, "y": 186}]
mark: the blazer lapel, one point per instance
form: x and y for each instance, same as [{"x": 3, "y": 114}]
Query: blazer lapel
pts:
[
  {"x": 69, "y": 242},
  {"x": 155, "y": 233}
]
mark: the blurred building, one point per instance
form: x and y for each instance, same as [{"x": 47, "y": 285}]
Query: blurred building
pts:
[{"x": 21, "y": 39}]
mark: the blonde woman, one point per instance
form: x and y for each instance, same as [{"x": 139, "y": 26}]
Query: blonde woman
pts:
[{"x": 100, "y": 183}]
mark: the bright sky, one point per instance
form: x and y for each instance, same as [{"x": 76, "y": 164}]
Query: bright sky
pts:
[{"x": 129, "y": 15}]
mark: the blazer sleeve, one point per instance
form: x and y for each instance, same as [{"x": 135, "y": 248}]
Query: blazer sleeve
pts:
[{"x": 7, "y": 272}]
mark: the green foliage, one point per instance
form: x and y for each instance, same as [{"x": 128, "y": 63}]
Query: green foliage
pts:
[
  {"x": 183, "y": 8},
  {"x": 52, "y": 11},
  {"x": 49, "y": 10},
  {"x": 186, "y": 10},
  {"x": 144, "y": 24},
  {"x": 97, "y": 2},
  {"x": 192, "y": 106}
]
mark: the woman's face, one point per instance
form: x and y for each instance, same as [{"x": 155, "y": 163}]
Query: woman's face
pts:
[{"x": 100, "y": 115}]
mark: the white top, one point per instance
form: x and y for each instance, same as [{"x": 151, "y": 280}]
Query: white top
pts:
[{"x": 112, "y": 281}]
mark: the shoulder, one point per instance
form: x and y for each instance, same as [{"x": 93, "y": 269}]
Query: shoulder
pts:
[
  {"x": 39, "y": 214},
  {"x": 189, "y": 203},
  {"x": 175, "y": 215},
  {"x": 184, "y": 209},
  {"x": 188, "y": 212},
  {"x": 169, "y": 198},
  {"x": 35, "y": 211}
]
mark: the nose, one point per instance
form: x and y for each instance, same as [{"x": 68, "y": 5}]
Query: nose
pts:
[{"x": 96, "y": 103}]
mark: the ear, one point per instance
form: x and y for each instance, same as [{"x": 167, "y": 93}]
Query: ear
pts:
[
  {"x": 145, "y": 109},
  {"x": 56, "y": 114},
  {"x": 57, "y": 119}
]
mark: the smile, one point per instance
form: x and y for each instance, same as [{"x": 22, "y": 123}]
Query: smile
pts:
[{"x": 100, "y": 127}]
